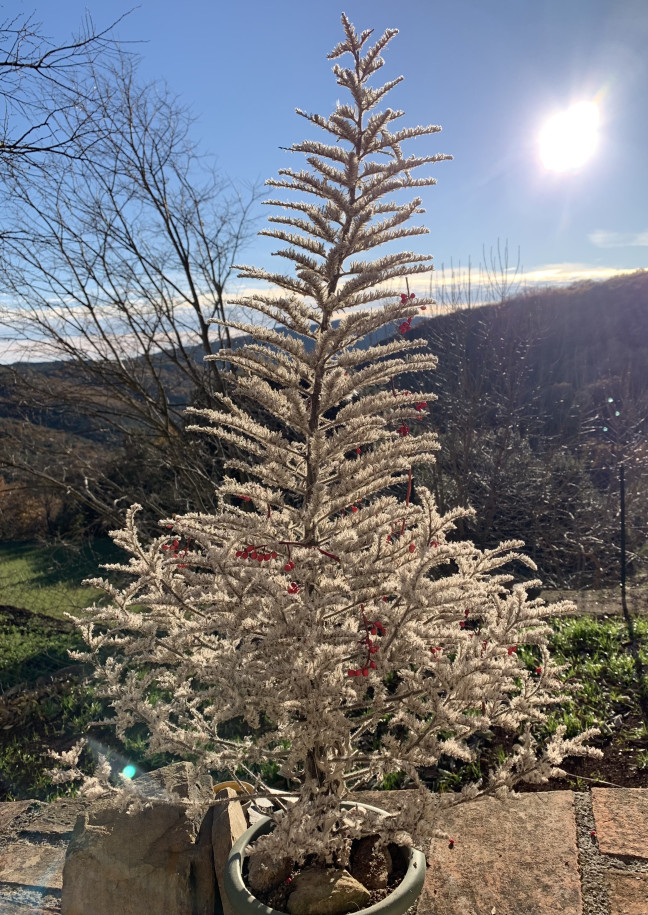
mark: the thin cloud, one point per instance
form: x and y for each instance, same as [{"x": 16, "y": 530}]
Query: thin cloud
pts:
[
  {"x": 20, "y": 349},
  {"x": 565, "y": 273},
  {"x": 603, "y": 239}
]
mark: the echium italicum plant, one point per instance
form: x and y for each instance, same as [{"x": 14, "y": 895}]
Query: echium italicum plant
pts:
[{"x": 322, "y": 603}]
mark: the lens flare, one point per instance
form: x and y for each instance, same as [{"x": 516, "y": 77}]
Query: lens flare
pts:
[
  {"x": 570, "y": 137},
  {"x": 129, "y": 772}
]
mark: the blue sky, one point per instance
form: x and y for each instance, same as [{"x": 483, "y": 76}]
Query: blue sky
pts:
[{"x": 489, "y": 71}]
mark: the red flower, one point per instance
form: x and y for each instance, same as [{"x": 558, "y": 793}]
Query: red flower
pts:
[
  {"x": 293, "y": 588},
  {"x": 412, "y": 547},
  {"x": 538, "y": 670},
  {"x": 512, "y": 649},
  {"x": 403, "y": 430},
  {"x": 421, "y": 405},
  {"x": 405, "y": 326}
]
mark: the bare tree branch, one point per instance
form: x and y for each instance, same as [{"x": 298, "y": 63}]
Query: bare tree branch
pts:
[
  {"x": 114, "y": 264},
  {"x": 41, "y": 82}
]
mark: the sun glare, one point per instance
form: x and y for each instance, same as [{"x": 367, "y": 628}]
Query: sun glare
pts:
[{"x": 570, "y": 138}]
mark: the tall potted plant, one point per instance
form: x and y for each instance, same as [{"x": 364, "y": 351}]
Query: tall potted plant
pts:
[{"x": 323, "y": 603}]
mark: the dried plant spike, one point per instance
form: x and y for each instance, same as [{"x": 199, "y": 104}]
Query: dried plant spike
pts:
[{"x": 351, "y": 657}]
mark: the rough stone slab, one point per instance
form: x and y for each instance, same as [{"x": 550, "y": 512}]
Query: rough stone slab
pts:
[
  {"x": 15, "y": 908},
  {"x": 9, "y": 810},
  {"x": 56, "y": 820},
  {"x": 627, "y": 892},
  {"x": 621, "y": 816},
  {"x": 513, "y": 857},
  {"x": 152, "y": 861},
  {"x": 32, "y": 865},
  {"x": 228, "y": 826},
  {"x": 323, "y": 891}
]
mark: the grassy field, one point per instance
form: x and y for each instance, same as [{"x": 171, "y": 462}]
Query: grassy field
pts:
[
  {"x": 47, "y": 580},
  {"x": 47, "y": 703},
  {"x": 45, "y": 699}
]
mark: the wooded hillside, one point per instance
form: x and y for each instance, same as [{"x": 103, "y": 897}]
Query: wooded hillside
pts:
[{"x": 540, "y": 399}]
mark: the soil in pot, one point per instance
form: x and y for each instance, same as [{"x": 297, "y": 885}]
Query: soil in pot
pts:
[{"x": 277, "y": 898}]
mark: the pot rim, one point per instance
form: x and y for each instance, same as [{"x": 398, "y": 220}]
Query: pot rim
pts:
[{"x": 241, "y": 899}]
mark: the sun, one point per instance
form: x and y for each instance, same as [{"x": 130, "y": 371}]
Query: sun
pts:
[{"x": 570, "y": 137}]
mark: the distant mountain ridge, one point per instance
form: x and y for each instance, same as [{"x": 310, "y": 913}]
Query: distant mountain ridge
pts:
[
  {"x": 538, "y": 400},
  {"x": 383, "y": 333},
  {"x": 580, "y": 335}
]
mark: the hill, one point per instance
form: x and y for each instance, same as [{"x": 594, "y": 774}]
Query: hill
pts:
[{"x": 540, "y": 398}]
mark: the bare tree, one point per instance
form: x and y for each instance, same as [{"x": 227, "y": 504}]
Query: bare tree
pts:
[
  {"x": 454, "y": 288},
  {"x": 496, "y": 280},
  {"x": 40, "y": 82},
  {"x": 499, "y": 280},
  {"x": 113, "y": 267}
]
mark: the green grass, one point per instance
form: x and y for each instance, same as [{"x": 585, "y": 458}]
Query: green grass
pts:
[
  {"x": 47, "y": 722},
  {"x": 46, "y": 579},
  {"x": 598, "y": 660},
  {"x": 600, "y": 673},
  {"x": 33, "y": 648},
  {"x": 38, "y": 710}
]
